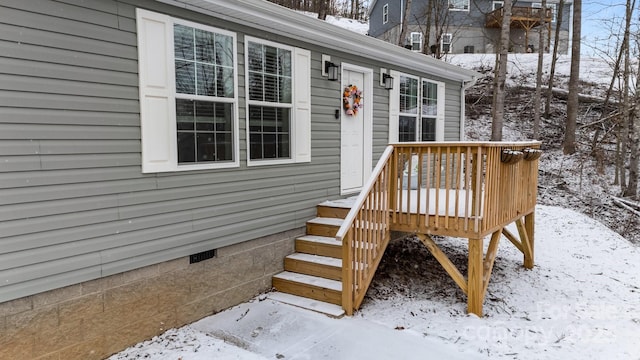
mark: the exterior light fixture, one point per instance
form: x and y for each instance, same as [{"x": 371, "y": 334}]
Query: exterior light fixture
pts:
[
  {"x": 332, "y": 70},
  {"x": 387, "y": 80}
]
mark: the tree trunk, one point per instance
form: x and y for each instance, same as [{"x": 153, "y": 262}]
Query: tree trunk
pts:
[
  {"x": 628, "y": 117},
  {"x": 500, "y": 75},
  {"x": 536, "y": 99},
  {"x": 323, "y": 7},
  {"x": 569, "y": 143},
  {"x": 554, "y": 59},
  {"x": 426, "y": 47},
  {"x": 405, "y": 19}
]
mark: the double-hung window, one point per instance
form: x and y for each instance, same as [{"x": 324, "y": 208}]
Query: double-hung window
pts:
[
  {"x": 445, "y": 43},
  {"x": 205, "y": 94},
  {"x": 188, "y": 94},
  {"x": 385, "y": 13},
  {"x": 417, "y": 109},
  {"x": 416, "y": 41},
  {"x": 277, "y": 80},
  {"x": 407, "y": 121},
  {"x": 429, "y": 110}
]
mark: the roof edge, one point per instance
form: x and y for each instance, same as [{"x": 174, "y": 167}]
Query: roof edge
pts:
[{"x": 263, "y": 15}]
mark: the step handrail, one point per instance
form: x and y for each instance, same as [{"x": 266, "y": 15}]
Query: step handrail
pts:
[{"x": 368, "y": 228}]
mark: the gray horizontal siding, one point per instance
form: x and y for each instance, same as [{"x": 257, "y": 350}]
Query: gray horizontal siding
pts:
[
  {"x": 70, "y": 59},
  {"x": 74, "y": 204},
  {"x": 452, "y": 111}
]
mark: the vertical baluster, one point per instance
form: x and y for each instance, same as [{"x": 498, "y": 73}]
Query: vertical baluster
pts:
[
  {"x": 467, "y": 184},
  {"x": 458, "y": 170},
  {"x": 447, "y": 185},
  {"x": 408, "y": 189},
  {"x": 478, "y": 189},
  {"x": 438, "y": 184},
  {"x": 419, "y": 186},
  {"x": 429, "y": 171}
]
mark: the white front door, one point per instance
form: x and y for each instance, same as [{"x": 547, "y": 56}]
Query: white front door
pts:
[{"x": 356, "y": 130}]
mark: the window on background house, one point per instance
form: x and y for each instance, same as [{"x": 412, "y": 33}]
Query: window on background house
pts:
[
  {"x": 272, "y": 90},
  {"x": 459, "y": 5},
  {"x": 416, "y": 41},
  {"x": 420, "y": 109},
  {"x": 188, "y": 97},
  {"x": 552, "y": 6},
  {"x": 497, "y": 5},
  {"x": 385, "y": 13},
  {"x": 445, "y": 43}
]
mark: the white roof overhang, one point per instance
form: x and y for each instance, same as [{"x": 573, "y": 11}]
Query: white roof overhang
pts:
[{"x": 279, "y": 20}]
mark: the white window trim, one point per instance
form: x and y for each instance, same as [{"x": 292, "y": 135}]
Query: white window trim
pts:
[
  {"x": 494, "y": 7},
  {"x": 158, "y": 94},
  {"x": 460, "y": 9},
  {"x": 394, "y": 107},
  {"x": 549, "y": 5},
  {"x": 299, "y": 127},
  {"x": 385, "y": 13}
]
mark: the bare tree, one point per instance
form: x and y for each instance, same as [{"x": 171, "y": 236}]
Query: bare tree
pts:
[
  {"x": 629, "y": 133},
  {"x": 634, "y": 145},
  {"x": 569, "y": 143},
  {"x": 623, "y": 129},
  {"x": 436, "y": 20},
  {"x": 554, "y": 58},
  {"x": 538, "y": 95},
  {"x": 405, "y": 23},
  {"x": 501, "y": 74}
]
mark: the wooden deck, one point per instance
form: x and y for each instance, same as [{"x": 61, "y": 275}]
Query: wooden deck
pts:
[
  {"x": 471, "y": 190},
  {"x": 467, "y": 189},
  {"x": 525, "y": 17},
  {"x": 522, "y": 17}
]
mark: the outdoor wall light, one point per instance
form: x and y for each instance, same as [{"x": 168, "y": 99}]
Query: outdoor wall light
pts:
[
  {"x": 332, "y": 70},
  {"x": 387, "y": 81}
]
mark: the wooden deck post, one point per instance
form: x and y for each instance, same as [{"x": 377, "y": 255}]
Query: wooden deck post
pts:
[
  {"x": 347, "y": 274},
  {"x": 475, "y": 295},
  {"x": 529, "y": 224}
]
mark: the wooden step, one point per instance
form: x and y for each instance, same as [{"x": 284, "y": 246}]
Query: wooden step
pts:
[
  {"x": 312, "y": 287},
  {"x": 321, "y": 266},
  {"x": 319, "y": 245},
  {"x": 335, "y": 208},
  {"x": 324, "y": 226},
  {"x": 333, "y": 310}
]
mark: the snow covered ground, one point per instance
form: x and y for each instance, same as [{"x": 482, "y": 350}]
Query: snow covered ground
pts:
[{"x": 581, "y": 301}]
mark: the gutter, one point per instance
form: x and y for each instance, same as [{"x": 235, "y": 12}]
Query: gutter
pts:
[{"x": 464, "y": 86}]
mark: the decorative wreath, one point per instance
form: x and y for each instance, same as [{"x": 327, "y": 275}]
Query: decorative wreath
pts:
[{"x": 352, "y": 108}]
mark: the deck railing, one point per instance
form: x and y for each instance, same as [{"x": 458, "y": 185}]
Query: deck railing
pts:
[
  {"x": 365, "y": 234},
  {"x": 518, "y": 13},
  {"x": 462, "y": 189}
]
